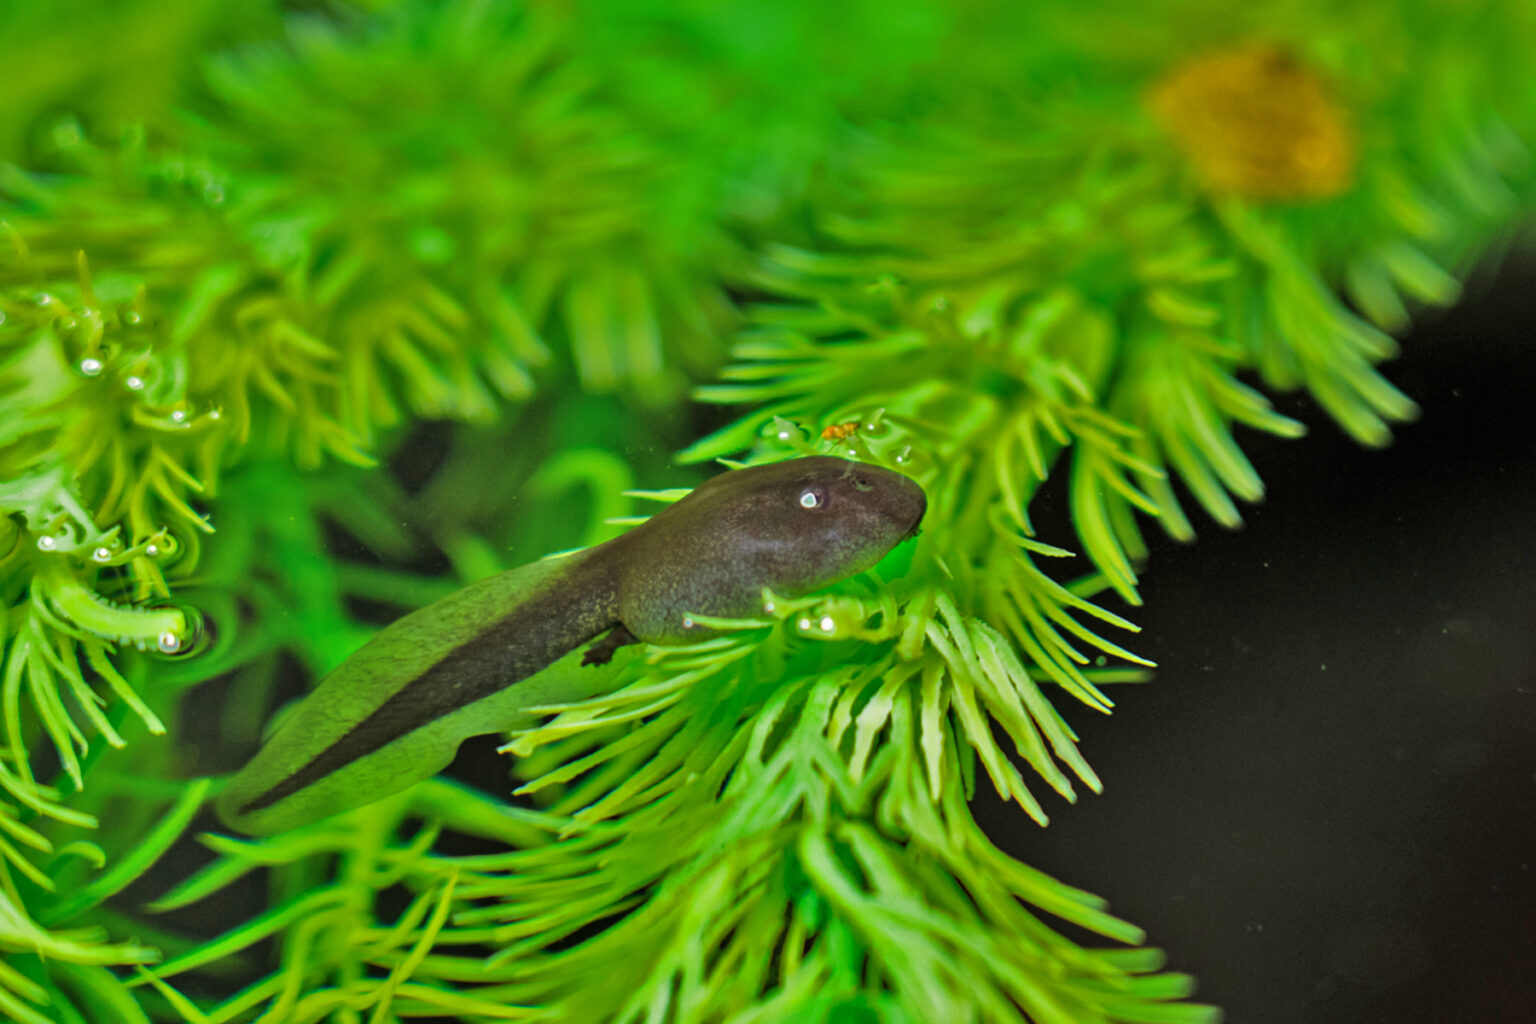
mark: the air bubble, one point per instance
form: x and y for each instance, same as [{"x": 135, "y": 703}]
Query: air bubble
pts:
[
  {"x": 768, "y": 607},
  {"x": 66, "y": 323},
  {"x": 135, "y": 383},
  {"x": 215, "y": 414},
  {"x": 687, "y": 622},
  {"x": 90, "y": 367},
  {"x": 828, "y": 624},
  {"x": 132, "y": 318},
  {"x": 151, "y": 550},
  {"x": 43, "y": 299},
  {"x": 47, "y": 543},
  {"x": 169, "y": 643},
  {"x": 178, "y": 415},
  {"x": 102, "y": 554},
  {"x": 805, "y": 625}
]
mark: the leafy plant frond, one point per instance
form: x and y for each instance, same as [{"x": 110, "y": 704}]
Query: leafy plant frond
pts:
[
  {"x": 78, "y": 957},
  {"x": 493, "y": 191},
  {"x": 730, "y": 774},
  {"x": 781, "y": 844},
  {"x": 1046, "y": 278}
]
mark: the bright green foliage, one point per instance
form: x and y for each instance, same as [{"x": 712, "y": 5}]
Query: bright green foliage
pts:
[
  {"x": 449, "y": 172},
  {"x": 121, "y": 61},
  {"x": 744, "y": 822},
  {"x": 246, "y": 247}
]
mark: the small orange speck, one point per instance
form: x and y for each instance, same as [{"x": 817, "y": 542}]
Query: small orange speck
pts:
[
  {"x": 1257, "y": 122},
  {"x": 840, "y": 431}
]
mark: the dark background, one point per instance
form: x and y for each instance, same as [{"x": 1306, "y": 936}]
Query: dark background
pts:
[{"x": 1324, "y": 807}]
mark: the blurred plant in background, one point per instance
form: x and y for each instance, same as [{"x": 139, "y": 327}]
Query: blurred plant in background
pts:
[{"x": 307, "y": 317}]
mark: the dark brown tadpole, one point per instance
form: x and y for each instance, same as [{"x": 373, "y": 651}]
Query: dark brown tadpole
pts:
[{"x": 390, "y": 715}]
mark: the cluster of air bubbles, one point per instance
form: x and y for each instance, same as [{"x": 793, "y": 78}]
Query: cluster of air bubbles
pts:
[
  {"x": 826, "y": 624},
  {"x": 110, "y": 551}
]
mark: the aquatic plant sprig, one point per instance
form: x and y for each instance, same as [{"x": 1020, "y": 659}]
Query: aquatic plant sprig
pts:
[
  {"x": 98, "y": 500},
  {"x": 115, "y": 434},
  {"x": 497, "y": 191},
  {"x": 628, "y": 826},
  {"x": 973, "y": 260},
  {"x": 42, "y": 913},
  {"x": 330, "y": 933},
  {"x": 744, "y": 849}
]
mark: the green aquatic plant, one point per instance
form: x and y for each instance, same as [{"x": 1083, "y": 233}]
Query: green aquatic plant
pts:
[
  {"x": 1012, "y": 248},
  {"x": 488, "y": 190},
  {"x": 113, "y": 62}
]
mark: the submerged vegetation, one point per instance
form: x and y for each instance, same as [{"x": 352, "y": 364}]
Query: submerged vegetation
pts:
[{"x": 252, "y": 260}]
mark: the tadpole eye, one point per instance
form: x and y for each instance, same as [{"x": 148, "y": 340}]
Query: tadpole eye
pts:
[{"x": 812, "y": 497}]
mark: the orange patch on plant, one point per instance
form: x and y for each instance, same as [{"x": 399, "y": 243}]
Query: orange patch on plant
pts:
[{"x": 1257, "y": 122}]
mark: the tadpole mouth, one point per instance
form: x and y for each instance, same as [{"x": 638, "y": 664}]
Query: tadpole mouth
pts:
[
  {"x": 893, "y": 497},
  {"x": 919, "y": 499}
]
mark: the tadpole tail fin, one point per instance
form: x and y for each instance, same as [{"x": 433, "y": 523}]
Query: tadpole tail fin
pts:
[{"x": 395, "y": 712}]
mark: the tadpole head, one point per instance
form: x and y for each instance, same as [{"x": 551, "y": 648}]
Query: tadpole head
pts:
[
  {"x": 792, "y": 527},
  {"x": 820, "y": 519}
]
